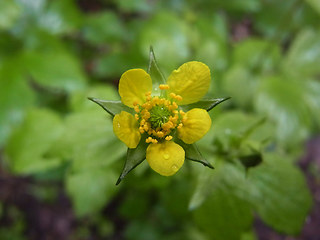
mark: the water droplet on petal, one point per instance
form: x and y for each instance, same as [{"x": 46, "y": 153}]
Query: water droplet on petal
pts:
[
  {"x": 166, "y": 156},
  {"x": 118, "y": 125},
  {"x": 174, "y": 167}
]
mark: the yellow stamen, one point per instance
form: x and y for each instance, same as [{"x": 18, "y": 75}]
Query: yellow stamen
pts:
[
  {"x": 178, "y": 98},
  {"x": 136, "y": 108},
  {"x": 164, "y": 87},
  {"x": 160, "y": 134},
  {"x": 151, "y": 140},
  {"x": 146, "y": 115},
  {"x": 172, "y": 95},
  {"x": 141, "y": 130},
  {"x": 168, "y": 138}
]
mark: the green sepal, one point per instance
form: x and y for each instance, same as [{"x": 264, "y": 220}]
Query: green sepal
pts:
[
  {"x": 135, "y": 156},
  {"x": 251, "y": 160},
  {"x": 192, "y": 153},
  {"x": 250, "y": 154},
  {"x": 155, "y": 73},
  {"x": 112, "y": 107},
  {"x": 206, "y": 104}
]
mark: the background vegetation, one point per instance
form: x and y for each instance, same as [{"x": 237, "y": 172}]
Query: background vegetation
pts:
[{"x": 59, "y": 157}]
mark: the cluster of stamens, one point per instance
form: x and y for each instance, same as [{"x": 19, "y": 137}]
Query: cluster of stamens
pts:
[{"x": 159, "y": 117}]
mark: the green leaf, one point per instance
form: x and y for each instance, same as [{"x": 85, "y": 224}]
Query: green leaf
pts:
[
  {"x": 15, "y": 97},
  {"x": 163, "y": 28},
  {"x": 10, "y": 12},
  {"x": 138, "y": 6},
  {"x": 155, "y": 72},
  {"x": 210, "y": 41},
  {"x": 234, "y": 79},
  {"x": 58, "y": 70},
  {"x": 233, "y": 128},
  {"x": 192, "y": 153},
  {"x": 312, "y": 98},
  {"x": 90, "y": 190},
  {"x": 282, "y": 99},
  {"x": 224, "y": 215},
  {"x": 135, "y": 156},
  {"x": 256, "y": 54},
  {"x": 88, "y": 141},
  {"x": 112, "y": 107},
  {"x": 206, "y": 104},
  {"x": 97, "y": 32},
  {"x": 60, "y": 17},
  {"x": 29, "y": 146},
  {"x": 315, "y": 4},
  {"x": 226, "y": 175},
  {"x": 279, "y": 194},
  {"x": 303, "y": 57},
  {"x": 79, "y": 101}
]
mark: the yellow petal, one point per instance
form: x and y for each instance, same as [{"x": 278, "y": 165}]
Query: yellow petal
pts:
[
  {"x": 125, "y": 127},
  {"x": 196, "y": 124},
  {"x": 133, "y": 86},
  {"x": 165, "y": 158},
  {"x": 191, "y": 81}
]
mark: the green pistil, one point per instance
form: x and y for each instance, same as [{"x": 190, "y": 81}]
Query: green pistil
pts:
[{"x": 159, "y": 115}]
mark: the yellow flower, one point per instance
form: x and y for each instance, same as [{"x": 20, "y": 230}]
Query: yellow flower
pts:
[{"x": 160, "y": 118}]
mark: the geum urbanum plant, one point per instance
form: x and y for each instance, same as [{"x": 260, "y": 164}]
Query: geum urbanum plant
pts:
[{"x": 161, "y": 120}]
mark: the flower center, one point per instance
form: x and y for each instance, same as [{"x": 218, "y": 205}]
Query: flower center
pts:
[{"x": 158, "y": 117}]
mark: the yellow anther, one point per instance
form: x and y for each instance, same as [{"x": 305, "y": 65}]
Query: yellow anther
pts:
[
  {"x": 162, "y": 101},
  {"x": 164, "y": 87},
  {"x": 149, "y": 140},
  {"x": 148, "y": 98},
  {"x": 146, "y": 115},
  {"x": 168, "y": 138},
  {"x": 148, "y": 94},
  {"x": 136, "y": 116},
  {"x": 166, "y": 126},
  {"x": 175, "y": 105},
  {"x": 178, "y": 98},
  {"x": 141, "y": 130},
  {"x": 180, "y": 125},
  {"x": 182, "y": 113},
  {"x": 174, "y": 119},
  {"x": 172, "y": 95},
  {"x": 136, "y": 108},
  {"x": 135, "y": 103},
  {"x": 160, "y": 134}
]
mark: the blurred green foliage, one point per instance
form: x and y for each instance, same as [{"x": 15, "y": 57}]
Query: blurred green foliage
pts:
[{"x": 264, "y": 54}]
